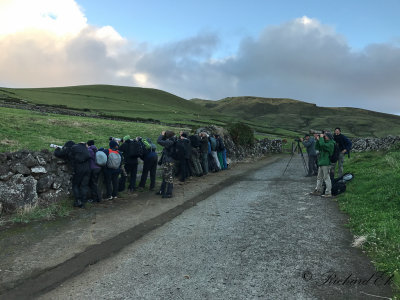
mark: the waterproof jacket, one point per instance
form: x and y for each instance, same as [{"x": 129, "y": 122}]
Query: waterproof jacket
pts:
[
  {"x": 325, "y": 149},
  {"x": 92, "y": 152},
  {"x": 168, "y": 145},
  {"x": 310, "y": 146},
  {"x": 124, "y": 148}
]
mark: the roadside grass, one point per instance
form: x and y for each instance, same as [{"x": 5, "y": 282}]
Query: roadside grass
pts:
[
  {"x": 28, "y": 214},
  {"x": 372, "y": 201},
  {"x": 22, "y": 129}
]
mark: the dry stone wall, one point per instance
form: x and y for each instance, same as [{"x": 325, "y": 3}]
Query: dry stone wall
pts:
[
  {"x": 374, "y": 144},
  {"x": 30, "y": 178}
]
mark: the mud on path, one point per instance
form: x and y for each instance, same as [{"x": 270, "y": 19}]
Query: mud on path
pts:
[{"x": 36, "y": 257}]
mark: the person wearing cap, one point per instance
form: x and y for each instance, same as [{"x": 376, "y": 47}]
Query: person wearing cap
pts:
[
  {"x": 325, "y": 145},
  {"x": 309, "y": 143}
]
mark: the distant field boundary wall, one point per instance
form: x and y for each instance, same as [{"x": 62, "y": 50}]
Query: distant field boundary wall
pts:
[
  {"x": 31, "y": 178},
  {"x": 374, "y": 144}
]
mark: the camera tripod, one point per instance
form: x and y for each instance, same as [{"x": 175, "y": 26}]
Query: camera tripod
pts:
[{"x": 297, "y": 148}]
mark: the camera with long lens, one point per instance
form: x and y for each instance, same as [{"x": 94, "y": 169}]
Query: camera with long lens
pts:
[
  {"x": 55, "y": 146},
  {"x": 114, "y": 139}
]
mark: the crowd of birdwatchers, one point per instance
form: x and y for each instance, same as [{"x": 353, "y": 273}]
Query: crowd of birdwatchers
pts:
[{"x": 183, "y": 156}]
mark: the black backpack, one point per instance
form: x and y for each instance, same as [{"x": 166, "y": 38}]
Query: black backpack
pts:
[
  {"x": 79, "y": 153},
  {"x": 335, "y": 156},
  {"x": 135, "y": 149},
  {"x": 339, "y": 184}
]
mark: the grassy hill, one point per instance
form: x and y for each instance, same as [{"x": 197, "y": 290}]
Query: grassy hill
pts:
[
  {"x": 298, "y": 116},
  {"x": 118, "y": 101},
  {"x": 269, "y": 117}
]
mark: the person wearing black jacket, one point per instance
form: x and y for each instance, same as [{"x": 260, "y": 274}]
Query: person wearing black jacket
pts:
[
  {"x": 79, "y": 174},
  {"x": 204, "y": 152},
  {"x": 184, "y": 154},
  {"x": 80, "y": 159},
  {"x": 167, "y": 140},
  {"x": 150, "y": 159},
  {"x": 130, "y": 160},
  {"x": 344, "y": 146}
]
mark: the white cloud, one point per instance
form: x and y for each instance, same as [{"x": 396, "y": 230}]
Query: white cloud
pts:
[{"x": 51, "y": 43}]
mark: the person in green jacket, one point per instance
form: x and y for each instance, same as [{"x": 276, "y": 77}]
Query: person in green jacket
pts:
[{"x": 325, "y": 145}]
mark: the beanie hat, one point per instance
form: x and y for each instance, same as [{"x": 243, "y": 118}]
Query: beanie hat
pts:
[
  {"x": 90, "y": 142},
  {"x": 113, "y": 144},
  {"x": 127, "y": 137}
]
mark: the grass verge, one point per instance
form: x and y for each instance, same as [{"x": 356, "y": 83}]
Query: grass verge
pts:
[
  {"x": 372, "y": 201},
  {"x": 35, "y": 213}
]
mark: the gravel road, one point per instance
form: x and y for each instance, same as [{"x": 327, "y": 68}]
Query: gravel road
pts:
[{"x": 263, "y": 237}]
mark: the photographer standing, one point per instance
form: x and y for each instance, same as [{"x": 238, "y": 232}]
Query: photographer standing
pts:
[
  {"x": 167, "y": 140},
  {"x": 309, "y": 143},
  {"x": 325, "y": 145},
  {"x": 344, "y": 146}
]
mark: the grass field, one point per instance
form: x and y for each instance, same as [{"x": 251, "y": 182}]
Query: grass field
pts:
[
  {"x": 372, "y": 201},
  {"x": 274, "y": 117},
  {"x": 22, "y": 129}
]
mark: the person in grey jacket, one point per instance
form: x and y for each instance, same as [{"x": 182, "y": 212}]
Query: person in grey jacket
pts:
[
  {"x": 309, "y": 143},
  {"x": 167, "y": 140}
]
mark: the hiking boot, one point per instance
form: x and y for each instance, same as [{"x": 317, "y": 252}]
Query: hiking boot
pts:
[
  {"x": 170, "y": 187},
  {"x": 316, "y": 193},
  {"x": 109, "y": 198},
  {"x": 327, "y": 196},
  {"x": 162, "y": 188}
]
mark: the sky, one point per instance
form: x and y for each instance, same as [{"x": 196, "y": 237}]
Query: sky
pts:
[{"x": 331, "y": 53}]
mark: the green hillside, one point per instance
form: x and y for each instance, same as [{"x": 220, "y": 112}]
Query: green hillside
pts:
[
  {"x": 118, "y": 101},
  {"x": 298, "y": 116},
  {"x": 269, "y": 117}
]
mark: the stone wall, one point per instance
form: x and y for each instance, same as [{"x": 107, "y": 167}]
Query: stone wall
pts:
[
  {"x": 374, "y": 144},
  {"x": 30, "y": 178}
]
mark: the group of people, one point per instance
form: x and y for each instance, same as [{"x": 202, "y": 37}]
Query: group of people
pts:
[
  {"x": 320, "y": 149},
  {"x": 182, "y": 156}
]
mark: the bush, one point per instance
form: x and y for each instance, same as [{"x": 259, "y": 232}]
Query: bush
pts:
[{"x": 241, "y": 134}]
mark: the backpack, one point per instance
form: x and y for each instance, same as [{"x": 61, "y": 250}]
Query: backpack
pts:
[
  {"x": 339, "y": 184},
  {"x": 135, "y": 149},
  {"x": 213, "y": 142},
  {"x": 335, "y": 155},
  {"x": 114, "y": 159},
  {"x": 100, "y": 158},
  {"x": 79, "y": 153}
]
